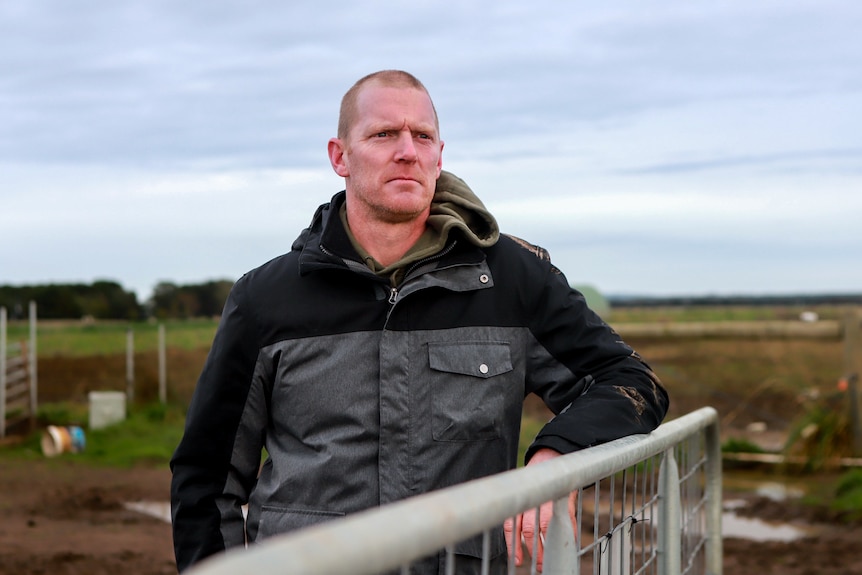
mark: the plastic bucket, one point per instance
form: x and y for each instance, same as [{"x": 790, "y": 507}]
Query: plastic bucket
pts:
[{"x": 62, "y": 439}]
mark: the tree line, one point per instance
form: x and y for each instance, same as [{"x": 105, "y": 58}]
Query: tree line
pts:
[{"x": 109, "y": 300}]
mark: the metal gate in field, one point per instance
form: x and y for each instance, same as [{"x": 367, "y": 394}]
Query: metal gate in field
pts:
[
  {"x": 17, "y": 376},
  {"x": 646, "y": 504}
]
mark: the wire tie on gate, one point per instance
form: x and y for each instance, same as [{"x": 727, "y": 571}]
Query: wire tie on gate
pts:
[{"x": 607, "y": 536}]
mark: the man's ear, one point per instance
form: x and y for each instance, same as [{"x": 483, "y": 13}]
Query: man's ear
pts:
[
  {"x": 335, "y": 147},
  {"x": 440, "y": 159}
]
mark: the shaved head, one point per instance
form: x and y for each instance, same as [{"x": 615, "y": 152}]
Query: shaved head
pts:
[{"x": 388, "y": 78}]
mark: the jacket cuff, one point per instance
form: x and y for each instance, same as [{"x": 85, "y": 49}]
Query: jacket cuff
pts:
[{"x": 554, "y": 442}]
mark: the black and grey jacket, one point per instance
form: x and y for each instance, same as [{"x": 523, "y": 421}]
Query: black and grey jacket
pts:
[{"x": 364, "y": 394}]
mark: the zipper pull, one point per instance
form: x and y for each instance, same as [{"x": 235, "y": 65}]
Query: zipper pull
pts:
[{"x": 393, "y": 293}]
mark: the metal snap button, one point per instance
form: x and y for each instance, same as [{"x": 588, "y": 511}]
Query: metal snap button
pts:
[
  {"x": 483, "y": 368},
  {"x": 483, "y": 278}
]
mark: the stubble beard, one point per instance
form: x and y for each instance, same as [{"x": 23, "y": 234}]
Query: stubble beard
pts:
[{"x": 390, "y": 212}]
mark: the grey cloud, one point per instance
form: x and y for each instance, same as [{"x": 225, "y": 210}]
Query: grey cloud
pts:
[
  {"x": 246, "y": 84},
  {"x": 132, "y": 91}
]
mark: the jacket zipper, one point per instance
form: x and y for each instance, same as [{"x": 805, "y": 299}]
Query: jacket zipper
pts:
[
  {"x": 393, "y": 291},
  {"x": 326, "y": 251}
]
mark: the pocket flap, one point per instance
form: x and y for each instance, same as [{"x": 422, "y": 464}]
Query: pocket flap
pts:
[{"x": 479, "y": 359}]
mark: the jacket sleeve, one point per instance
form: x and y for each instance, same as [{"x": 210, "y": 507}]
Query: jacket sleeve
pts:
[
  {"x": 215, "y": 464},
  {"x": 596, "y": 385}
]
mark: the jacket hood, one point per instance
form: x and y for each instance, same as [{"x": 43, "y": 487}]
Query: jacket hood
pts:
[{"x": 455, "y": 206}]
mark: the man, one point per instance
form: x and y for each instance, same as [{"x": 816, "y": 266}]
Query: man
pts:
[{"x": 389, "y": 353}]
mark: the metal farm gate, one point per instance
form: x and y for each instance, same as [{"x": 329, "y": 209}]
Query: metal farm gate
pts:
[
  {"x": 648, "y": 504},
  {"x": 17, "y": 376}
]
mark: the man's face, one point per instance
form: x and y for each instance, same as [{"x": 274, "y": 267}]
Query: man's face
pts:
[{"x": 392, "y": 156}]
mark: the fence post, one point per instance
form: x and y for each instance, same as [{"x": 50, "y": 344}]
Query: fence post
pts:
[
  {"x": 669, "y": 531},
  {"x": 560, "y": 550},
  {"x": 2, "y": 372},
  {"x": 852, "y": 353},
  {"x": 130, "y": 365},
  {"x": 713, "y": 493},
  {"x": 34, "y": 372},
  {"x": 163, "y": 371}
]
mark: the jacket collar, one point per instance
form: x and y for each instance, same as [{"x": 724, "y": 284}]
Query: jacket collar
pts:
[{"x": 324, "y": 243}]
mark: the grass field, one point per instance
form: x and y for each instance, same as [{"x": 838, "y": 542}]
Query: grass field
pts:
[
  {"x": 82, "y": 338},
  {"x": 86, "y": 338}
]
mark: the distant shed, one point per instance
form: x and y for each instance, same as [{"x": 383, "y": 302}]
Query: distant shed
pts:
[{"x": 597, "y": 302}]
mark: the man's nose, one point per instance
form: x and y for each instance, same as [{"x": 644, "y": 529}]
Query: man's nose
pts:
[{"x": 406, "y": 148}]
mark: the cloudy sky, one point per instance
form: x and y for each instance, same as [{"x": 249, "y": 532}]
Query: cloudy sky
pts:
[{"x": 655, "y": 148}]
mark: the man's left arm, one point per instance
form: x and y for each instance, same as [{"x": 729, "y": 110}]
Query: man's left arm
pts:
[
  {"x": 622, "y": 400},
  {"x": 597, "y": 386}
]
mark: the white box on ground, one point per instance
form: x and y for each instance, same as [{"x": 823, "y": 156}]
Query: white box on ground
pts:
[{"x": 106, "y": 408}]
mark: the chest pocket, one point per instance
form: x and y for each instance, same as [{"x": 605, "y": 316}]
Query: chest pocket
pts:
[{"x": 469, "y": 401}]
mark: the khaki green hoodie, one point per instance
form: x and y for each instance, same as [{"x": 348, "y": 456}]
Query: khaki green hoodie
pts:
[{"x": 454, "y": 207}]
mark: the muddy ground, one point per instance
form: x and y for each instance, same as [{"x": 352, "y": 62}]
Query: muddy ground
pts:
[
  {"x": 61, "y": 518},
  {"x": 58, "y": 518}
]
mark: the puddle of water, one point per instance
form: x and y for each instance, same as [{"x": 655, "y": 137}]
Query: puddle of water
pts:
[
  {"x": 755, "y": 529},
  {"x": 153, "y": 509},
  {"x": 779, "y": 491},
  {"x": 751, "y": 528},
  {"x": 158, "y": 509}
]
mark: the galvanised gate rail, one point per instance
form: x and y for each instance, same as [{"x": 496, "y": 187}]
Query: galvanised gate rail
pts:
[{"x": 646, "y": 504}]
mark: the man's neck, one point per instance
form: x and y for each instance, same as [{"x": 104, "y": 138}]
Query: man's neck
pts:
[{"x": 386, "y": 242}]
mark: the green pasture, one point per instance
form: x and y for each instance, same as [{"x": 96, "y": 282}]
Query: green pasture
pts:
[
  {"x": 79, "y": 339},
  {"x": 148, "y": 436},
  {"x": 85, "y": 338}
]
